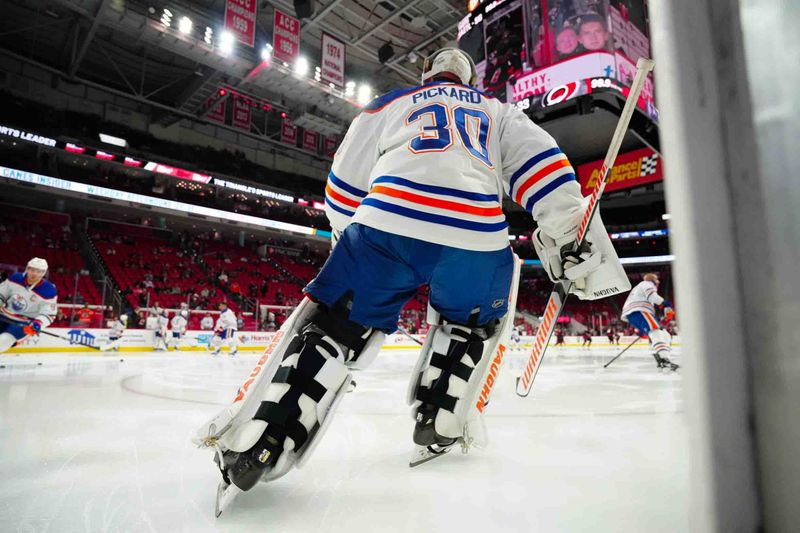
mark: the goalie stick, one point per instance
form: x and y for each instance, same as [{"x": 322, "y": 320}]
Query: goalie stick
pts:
[{"x": 555, "y": 304}]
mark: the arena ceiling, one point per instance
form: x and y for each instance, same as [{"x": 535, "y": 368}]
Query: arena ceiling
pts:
[{"x": 120, "y": 44}]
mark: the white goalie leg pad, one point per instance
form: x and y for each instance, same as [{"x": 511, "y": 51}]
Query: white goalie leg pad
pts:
[
  {"x": 250, "y": 394},
  {"x": 660, "y": 342},
  {"x": 297, "y": 404},
  {"x": 480, "y": 364}
]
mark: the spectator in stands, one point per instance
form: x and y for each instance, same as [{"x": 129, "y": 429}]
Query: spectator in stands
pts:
[
  {"x": 264, "y": 287},
  {"x": 223, "y": 278},
  {"x": 85, "y": 316},
  {"x": 279, "y": 297},
  {"x": 207, "y": 323},
  {"x": 240, "y": 321}
]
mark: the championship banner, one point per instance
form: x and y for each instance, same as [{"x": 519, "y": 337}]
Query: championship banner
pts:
[
  {"x": 333, "y": 55},
  {"x": 310, "y": 140},
  {"x": 216, "y": 112},
  {"x": 631, "y": 169},
  {"x": 329, "y": 145},
  {"x": 240, "y": 20},
  {"x": 286, "y": 38},
  {"x": 241, "y": 114},
  {"x": 288, "y": 132}
]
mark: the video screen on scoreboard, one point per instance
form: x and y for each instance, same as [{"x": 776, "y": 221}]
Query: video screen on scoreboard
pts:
[{"x": 525, "y": 48}]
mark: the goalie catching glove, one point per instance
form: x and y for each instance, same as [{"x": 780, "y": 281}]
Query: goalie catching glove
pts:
[{"x": 593, "y": 268}]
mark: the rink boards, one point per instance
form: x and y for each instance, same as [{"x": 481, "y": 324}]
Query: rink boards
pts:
[{"x": 138, "y": 340}]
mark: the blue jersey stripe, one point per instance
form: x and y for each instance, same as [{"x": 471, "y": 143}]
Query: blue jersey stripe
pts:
[
  {"x": 436, "y": 189},
  {"x": 530, "y": 163},
  {"x": 338, "y": 209},
  {"x": 436, "y": 219},
  {"x": 345, "y": 186},
  {"x": 547, "y": 189}
]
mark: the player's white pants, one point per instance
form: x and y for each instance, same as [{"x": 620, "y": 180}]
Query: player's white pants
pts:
[
  {"x": 230, "y": 339},
  {"x": 113, "y": 344},
  {"x": 660, "y": 342},
  {"x": 175, "y": 342},
  {"x": 160, "y": 342}
]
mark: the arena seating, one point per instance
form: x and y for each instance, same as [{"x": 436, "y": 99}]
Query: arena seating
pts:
[{"x": 27, "y": 233}]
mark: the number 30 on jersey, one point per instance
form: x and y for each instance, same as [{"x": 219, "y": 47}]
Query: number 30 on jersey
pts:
[{"x": 472, "y": 126}]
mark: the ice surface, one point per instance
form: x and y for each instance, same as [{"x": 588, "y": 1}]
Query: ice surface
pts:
[{"x": 90, "y": 443}]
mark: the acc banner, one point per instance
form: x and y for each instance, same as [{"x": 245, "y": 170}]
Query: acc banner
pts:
[
  {"x": 333, "y": 53},
  {"x": 288, "y": 132},
  {"x": 286, "y": 37},
  {"x": 240, "y": 20},
  {"x": 632, "y": 169},
  {"x": 241, "y": 114},
  {"x": 310, "y": 140},
  {"x": 329, "y": 145},
  {"x": 216, "y": 111}
]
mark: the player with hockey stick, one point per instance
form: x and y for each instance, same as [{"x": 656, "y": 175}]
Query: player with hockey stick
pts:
[
  {"x": 178, "y": 329},
  {"x": 225, "y": 331},
  {"x": 640, "y": 312},
  {"x": 115, "y": 334},
  {"x": 414, "y": 197},
  {"x": 29, "y": 303},
  {"x": 162, "y": 327}
]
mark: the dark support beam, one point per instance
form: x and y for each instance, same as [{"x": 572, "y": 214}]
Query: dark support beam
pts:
[{"x": 76, "y": 64}]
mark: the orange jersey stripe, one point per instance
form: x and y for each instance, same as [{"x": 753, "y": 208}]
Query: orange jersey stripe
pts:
[
  {"x": 537, "y": 177},
  {"x": 434, "y": 202},
  {"x": 341, "y": 199}
]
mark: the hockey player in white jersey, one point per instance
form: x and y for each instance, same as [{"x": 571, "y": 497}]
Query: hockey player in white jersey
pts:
[
  {"x": 178, "y": 327},
  {"x": 28, "y": 303},
  {"x": 414, "y": 197},
  {"x": 225, "y": 331},
  {"x": 515, "y": 338},
  {"x": 161, "y": 332},
  {"x": 115, "y": 334},
  {"x": 640, "y": 312}
]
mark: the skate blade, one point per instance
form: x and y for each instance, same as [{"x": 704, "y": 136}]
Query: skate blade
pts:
[
  {"x": 225, "y": 496},
  {"x": 423, "y": 454}
]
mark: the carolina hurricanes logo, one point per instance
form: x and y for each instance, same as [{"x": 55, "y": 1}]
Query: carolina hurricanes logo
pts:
[{"x": 18, "y": 303}]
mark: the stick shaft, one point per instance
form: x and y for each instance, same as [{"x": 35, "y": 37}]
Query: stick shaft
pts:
[
  {"x": 559, "y": 295},
  {"x": 622, "y": 352}
]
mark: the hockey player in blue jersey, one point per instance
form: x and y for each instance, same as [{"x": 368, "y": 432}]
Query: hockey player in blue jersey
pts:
[
  {"x": 414, "y": 197},
  {"x": 27, "y": 304}
]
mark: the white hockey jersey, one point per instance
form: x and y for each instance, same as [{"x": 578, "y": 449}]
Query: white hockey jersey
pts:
[
  {"x": 116, "y": 329},
  {"x": 643, "y": 297},
  {"x": 433, "y": 162},
  {"x": 163, "y": 323},
  {"x": 23, "y": 303},
  {"x": 178, "y": 324},
  {"x": 226, "y": 320}
]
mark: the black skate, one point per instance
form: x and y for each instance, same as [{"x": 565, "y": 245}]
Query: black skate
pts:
[
  {"x": 246, "y": 468},
  {"x": 241, "y": 471},
  {"x": 430, "y": 445},
  {"x": 665, "y": 364}
]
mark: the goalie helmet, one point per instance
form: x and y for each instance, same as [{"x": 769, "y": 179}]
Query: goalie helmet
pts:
[{"x": 453, "y": 61}]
